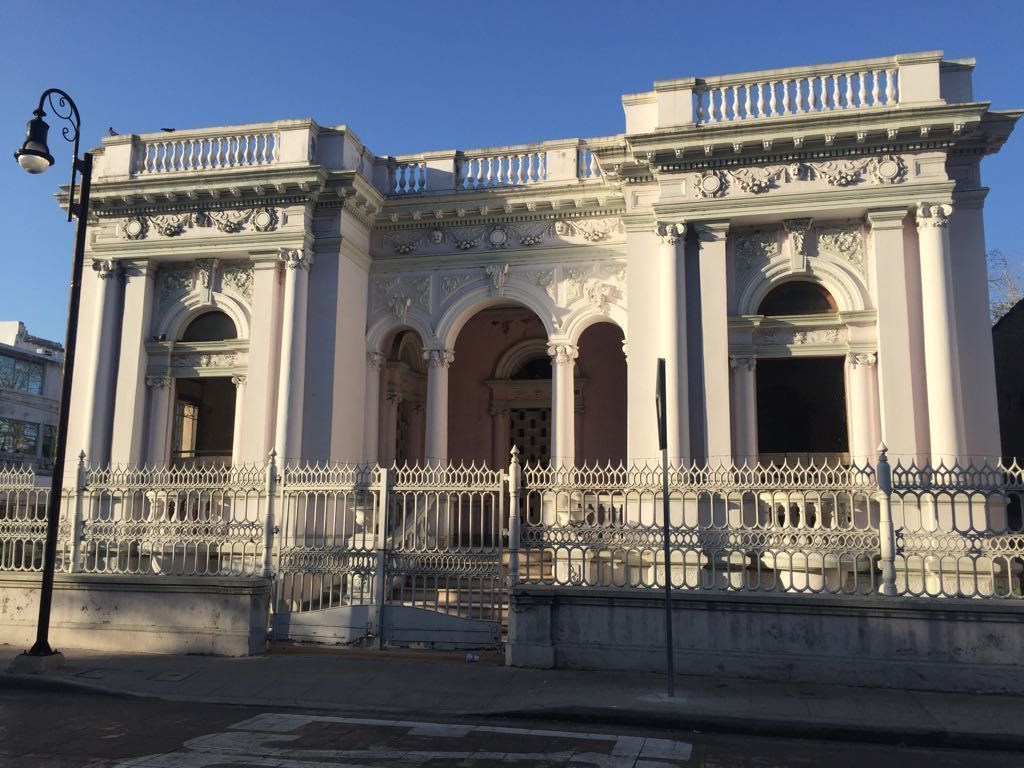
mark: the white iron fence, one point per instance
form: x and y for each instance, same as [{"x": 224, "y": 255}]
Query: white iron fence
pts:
[{"x": 428, "y": 552}]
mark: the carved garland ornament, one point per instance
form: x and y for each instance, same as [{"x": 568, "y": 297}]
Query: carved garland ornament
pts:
[
  {"x": 887, "y": 169},
  {"x": 228, "y": 221},
  {"x": 502, "y": 236}
]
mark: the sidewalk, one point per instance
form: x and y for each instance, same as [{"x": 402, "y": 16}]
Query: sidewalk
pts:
[{"x": 443, "y": 686}]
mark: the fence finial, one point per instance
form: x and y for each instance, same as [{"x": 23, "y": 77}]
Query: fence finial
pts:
[
  {"x": 515, "y": 453},
  {"x": 882, "y": 450},
  {"x": 81, "y": 458}
]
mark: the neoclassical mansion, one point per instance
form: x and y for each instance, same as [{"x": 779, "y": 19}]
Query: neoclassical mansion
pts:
[{"x": 805, "y": 247}]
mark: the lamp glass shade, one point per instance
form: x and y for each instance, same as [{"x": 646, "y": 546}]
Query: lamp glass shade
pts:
[{"x": 34, "y": 155}]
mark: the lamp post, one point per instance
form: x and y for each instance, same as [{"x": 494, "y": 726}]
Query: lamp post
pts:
[{"x": 34, "y": 156}]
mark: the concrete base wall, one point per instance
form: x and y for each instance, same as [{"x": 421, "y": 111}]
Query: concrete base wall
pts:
[
  {"x": 939, "y": 644},
  {"x": 223, "y": 617}
]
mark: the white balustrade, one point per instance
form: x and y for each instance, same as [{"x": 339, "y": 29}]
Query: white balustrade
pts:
[
  {"x": 799, "y": 94},
  {"x": 586, "y": 164},
  {"x": 502, "y": 170},
  {"x": 407, "y": 176},
  {"x": 204, "y": 153}
]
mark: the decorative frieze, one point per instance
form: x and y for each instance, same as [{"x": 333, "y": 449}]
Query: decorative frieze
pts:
[
  {"x": 504, "y": 235},
  {"x": 800, "y": 337},
  {"x": 205, "y": 360},
  {"x": 228, "y": 221},
  {"x": 760, "y": 179}
]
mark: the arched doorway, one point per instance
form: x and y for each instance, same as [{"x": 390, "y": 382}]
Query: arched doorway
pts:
[
  {"x": 601, "y": 436},
  {"x": 499, "y": 389},
  {"x": 403, "y": 395},
  {"x": 801, "y": 400}
]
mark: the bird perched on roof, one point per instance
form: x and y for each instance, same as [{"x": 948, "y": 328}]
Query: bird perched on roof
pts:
[
  {"x": 167, "y": 130},
  {"x": 111, "y": 131}
]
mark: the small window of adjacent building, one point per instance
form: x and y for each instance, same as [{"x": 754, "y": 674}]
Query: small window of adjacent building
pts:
[
  {"x": 211, "y": 326},
  {"x": 18, "y": 436},
  {"x": 21, "y": 375},
  {"x": 797, "y": 298}
]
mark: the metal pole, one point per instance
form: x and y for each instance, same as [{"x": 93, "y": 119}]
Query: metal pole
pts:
[
  {"x": 666, "y": 532},
  {"x": 42, "y": 644}
]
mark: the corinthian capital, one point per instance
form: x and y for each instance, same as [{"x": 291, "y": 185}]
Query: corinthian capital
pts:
[
  {"x": 746, "y": 363},
  {"x": 158, "y": 382},
  {"x": 104, "y": 268},
  {"x": 438, "y": 358},
  {"x": 563, "y": 353},
  {"x": 932, "y": 215},
  {"x": 375, "y": 360},
  {"x": 670, "y": 233},
  {"x": 296, "y": 258}
]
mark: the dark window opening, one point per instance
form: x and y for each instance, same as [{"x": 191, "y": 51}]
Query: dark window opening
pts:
[
  {"x": 797, "y": 298},
  {"x": 210, "y": 326},
  {"x": 801, "y": 409},
  {"x": 531, "y": 370}
]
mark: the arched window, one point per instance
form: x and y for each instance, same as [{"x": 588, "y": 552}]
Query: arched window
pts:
[
  {"x": 210, "y": 326},
  {"x": 531, "y": 370},
  {"x": 798, "y": 298}
]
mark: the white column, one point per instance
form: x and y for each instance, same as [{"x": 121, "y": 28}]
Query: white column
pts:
[
  {"x": 945, "y": 418},
  {"x": 236, "y": 435},
  {"x": 130, "y": 398},
  {"x": 157, "y": 454},
  {"x": 714, "y": 315},
  {"x": 371, "y": 408},
  {"x": 563, "y": 405},
  {"x": 288, "y": 441},
  {"x": 863, "y": 409},
  {"x": 436, "y": 442},
  {"x": 97, "y": 374},
  {"x": 744, "y": 409},
  {"x": 672, "y": 336}
]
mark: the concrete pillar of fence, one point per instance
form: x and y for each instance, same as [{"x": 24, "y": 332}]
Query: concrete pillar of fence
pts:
[
  {"x": 945, "y": 414},
  {"x": 563, "y": 403},
  {"x": 513, "y": 517},
  {"x": 383, "y": 491},
  {"x": 269, "y": 526},
  {"x": 744, "y": 410},
  {"x": 672, "y": 336},
  {"x": 77, "y": 519},
  {"x": 288, "y": 440},
  {"x": 886, "y": 534},
  {"x": 436, "y": 439}
]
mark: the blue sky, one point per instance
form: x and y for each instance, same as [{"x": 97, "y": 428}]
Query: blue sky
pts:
[{"x": 410, "y": 76}]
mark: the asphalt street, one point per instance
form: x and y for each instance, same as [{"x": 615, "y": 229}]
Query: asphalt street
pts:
[{"x": 75, "y": 729}]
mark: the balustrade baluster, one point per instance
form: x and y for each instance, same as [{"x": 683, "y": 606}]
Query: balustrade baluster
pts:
[
  {"x": 785, "y": 97},
  {"x": 798, "y": 94},
  {"x": 746, "y": 101},
  {"x": 735, "y": 103},
  {"x": 835, "y": 92},
  {"x": 810, "y": 94},
  {"x": 772, "y": 102},
  {"x": 890, "y": 86},
  {"x": 823, "y": 84},
  {"x": 709, "y": 108},
  {"x": 489, "y": 181},
  {"x": 876, "y": 88},
  {"x": 862, "y": 94},
  {"x": 760, "y": 99},
  {"x": 849, "y": 90}
]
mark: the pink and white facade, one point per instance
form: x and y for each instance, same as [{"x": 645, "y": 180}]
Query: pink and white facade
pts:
[{"x": 804, "y": 246}]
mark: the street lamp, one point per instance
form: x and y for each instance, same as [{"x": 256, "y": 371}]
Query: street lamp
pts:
[{"x": 34, "y": 156}]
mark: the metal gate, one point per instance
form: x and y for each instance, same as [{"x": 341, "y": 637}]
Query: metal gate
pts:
[{"x": 410, "y": 556}]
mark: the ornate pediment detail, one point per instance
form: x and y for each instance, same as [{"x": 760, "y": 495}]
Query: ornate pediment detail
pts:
[
  {"x": 753, "y": 248},
  {"x": 238, "y": 279},
  {"x": 262, "y": 219}
]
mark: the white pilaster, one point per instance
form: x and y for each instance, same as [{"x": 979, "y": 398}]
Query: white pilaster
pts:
[
  {"x": 436, "y": 440},
  {"x": 98, "y": 374},
  {"x": 863, "y": 407},
  {"x": 672, "y": 336},
  {"x": 288, "y": 441},
  {"x": 563, "y": 405},
  {"x": 158, "y": 452},
  {"x": 714, "y": 315},
  {"x": 130, "y": 399},
  {"x": 237, "y": 454},
  {"x": 744, "y": 409},
  {"x": 945, "y": 416},
  {"x": 371, "y": 418}
]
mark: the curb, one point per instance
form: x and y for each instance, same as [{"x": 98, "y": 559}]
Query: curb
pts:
[{"x": 660, "y": 720}]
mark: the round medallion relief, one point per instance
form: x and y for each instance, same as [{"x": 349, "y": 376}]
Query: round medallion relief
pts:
[
  {"x": 264, "y": 220},
  {"x": 888, "y": 169},
  {"x": 134, "y": 229},
  {"x": 711, "y": 185},
  {"x": 498, "y": 236}
]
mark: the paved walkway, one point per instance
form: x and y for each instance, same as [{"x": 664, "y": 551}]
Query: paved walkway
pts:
[{"x": 442, "y": 686}]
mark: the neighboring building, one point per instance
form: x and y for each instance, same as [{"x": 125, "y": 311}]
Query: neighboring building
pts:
[
  {"x": 30, "y": 370},
  {"x": 805, "y": 246},
  {"x": 1008, "y": 344}
]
